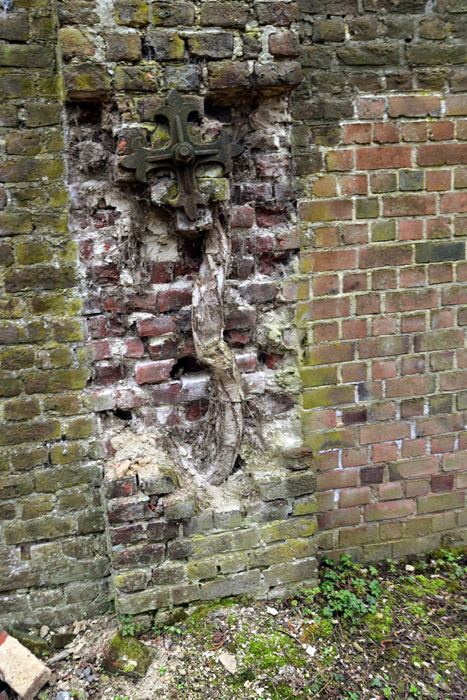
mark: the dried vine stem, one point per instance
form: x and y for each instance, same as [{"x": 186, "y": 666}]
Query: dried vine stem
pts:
[{"x": 223, "y": 441}]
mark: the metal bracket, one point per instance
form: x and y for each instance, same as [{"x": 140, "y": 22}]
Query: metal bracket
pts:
[{"x": 181, "y": 154}]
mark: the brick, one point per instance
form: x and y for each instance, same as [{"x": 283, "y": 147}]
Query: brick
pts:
[
  {"x": 354, "y": 184},
  {"x": 355, "y": 536},
  {"x": 383, "y": 347},
  {"x": 411, "y": 300},
  {"x": 410, "y": 205},
  {"x": 303, "y": 570},
  {"x": 455, "y": 295},
  {"x": 409, "y": 386},
  {"x": 442, "y": 131},
  {"x": 357, "y": 133},
  {"x": 325, "y": 501},
  {"x": 439, "y": 425},
  {"x": 385, "y": 256},
  {"x": 414, "y": 131},
  {"x": 328, "y": 308},
  {"x": 388, "y": 492},
  {"x": 438, "y": 180},
  {"x": 335, "y": 260},
  {"x": 384, "y": 452},
  {"x": 442, "y": 154},
  {"x": 123, "y": 47},
  {"x": 455, "y": 202},
  {"x": 383, "y": 182},
  {"x": 318, "y": 377},
  {"x": 23, "y": 672},
  {"x": 326, "y": 210},
  {"x": 388, "y": 510},
  {"x": 276, "y": 13},
  {"x": 354, "y": 496},
  {"x": 442, "y": 482},
  {"x": 131, "y": 13},
  {"x": 292, "y": 487},
  {"x": 456, "y": 461},
  {"x": 317, "y": 398},
  {"x": 153, "y": 372},
  {"x": 284, "y": 43},
  {"x": 84, "y": 82},
  {"x": 224, "y": 14},
  {"x": 383, "y": 157},
  {"x": 171, "y": 14},
  {"x": 414, "y": 468},
  {"x": 340, "y": 160},
  {"x": 246, "y": 582},
  {"x": 456, "y": 105},
  {"x": 242, "y": 217},
  {"x": 451, "y": 381},
  {"x": 414, "y": 106},
  {"x": 417, "y": 487},
  {"x": 155, "y": 326},
  {"x": 436, "y": 503},
  {"x": 339, "y": 518},
  {"x": 384, "y": 432},
  {"x": 439, "y": 340},
  {"x": 337, "y": 479},
  {"x": 26, "y": 56}
]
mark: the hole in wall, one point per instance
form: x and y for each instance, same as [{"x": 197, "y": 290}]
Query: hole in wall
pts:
[
  {"x": 239, "y": 464},
  {"x": 122, "y": 414},
  {"x": 184, "y": 365}
]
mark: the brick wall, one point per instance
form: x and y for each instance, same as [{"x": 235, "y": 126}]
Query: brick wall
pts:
[
  {"x": 169, "y": 552},
  {"x": 347, "y": 224},
  {"x": 52, "y": 550},
  {"x": 383, "y": 217}
]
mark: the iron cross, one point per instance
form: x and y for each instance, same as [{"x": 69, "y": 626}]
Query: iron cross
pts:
[{"x": 181, "y": 154}]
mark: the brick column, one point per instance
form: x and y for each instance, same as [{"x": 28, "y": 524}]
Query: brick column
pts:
[{"x": 52, "y": 552}]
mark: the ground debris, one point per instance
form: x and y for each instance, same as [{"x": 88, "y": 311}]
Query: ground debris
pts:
[{"x": 412, "y": 646}]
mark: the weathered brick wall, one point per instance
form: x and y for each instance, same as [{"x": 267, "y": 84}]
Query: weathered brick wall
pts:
[
  {"x": 348, "y": 253},
  {"x": 52, "y": 551},
  {"x": 178, "y": 556},
  {"x": 383, "y": 205},
  {"x": 151, "y": 394}
]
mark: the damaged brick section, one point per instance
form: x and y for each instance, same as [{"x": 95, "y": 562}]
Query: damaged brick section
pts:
[{"x": 141, "y": 262}]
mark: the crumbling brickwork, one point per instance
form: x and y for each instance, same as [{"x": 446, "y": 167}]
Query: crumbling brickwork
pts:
[{"x": 344, "y": 303}]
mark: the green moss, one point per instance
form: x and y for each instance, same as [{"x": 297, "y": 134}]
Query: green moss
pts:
[
  {"x": 271, "y": 651},
  {"x": 196, "y": 622},
  {"x": 452, "y": 650},
  {"x": 318, "y": 629},
  {"x": 128, "y": 656},
  {"x": 419, "y": 586},
  {"x": 380, "y": 624}
]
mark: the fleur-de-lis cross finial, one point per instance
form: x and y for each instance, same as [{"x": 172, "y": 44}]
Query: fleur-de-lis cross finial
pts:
[{"x": 181, "y": 154}]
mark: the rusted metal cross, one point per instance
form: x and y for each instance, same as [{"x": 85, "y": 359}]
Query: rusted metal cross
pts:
[{"x": 181, "y": 154}]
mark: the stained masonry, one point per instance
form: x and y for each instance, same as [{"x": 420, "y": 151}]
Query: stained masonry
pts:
[{"x": 344, "y": 304}]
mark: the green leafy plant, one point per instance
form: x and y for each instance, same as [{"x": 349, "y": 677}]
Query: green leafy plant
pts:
[
  {"x": 449, "y": 561},
  {"x": 345, "y": 591},
  {"x": 128, "y": 626}
]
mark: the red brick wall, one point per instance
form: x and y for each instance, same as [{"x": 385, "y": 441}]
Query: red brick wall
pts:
[{"x": 385, "y": 365}]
